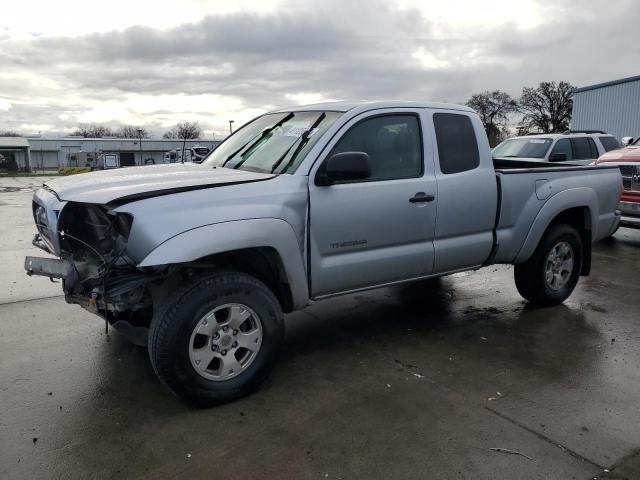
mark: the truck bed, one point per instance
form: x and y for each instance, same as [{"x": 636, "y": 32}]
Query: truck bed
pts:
[{"x": 524, "y": 188}]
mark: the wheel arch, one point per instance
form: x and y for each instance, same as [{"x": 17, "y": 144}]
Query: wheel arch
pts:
[
  {"x": 268, "y": 249},
  {"x": 576, "y": 207}
]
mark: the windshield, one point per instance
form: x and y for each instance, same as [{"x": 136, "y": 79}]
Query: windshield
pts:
[
  {"x": 272, "y": 143},
  {"x": 523, "y": 148}
]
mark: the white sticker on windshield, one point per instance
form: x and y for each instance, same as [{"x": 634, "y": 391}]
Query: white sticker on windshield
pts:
[
  {"x": 535, "y": 140},
  {"x": 299, "y": 131}
]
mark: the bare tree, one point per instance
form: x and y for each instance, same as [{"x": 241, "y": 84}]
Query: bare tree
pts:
[
  {"x": 546, "y": 108},
  {"x": 9, "y": 133},
  {"x": 132, "y": 131},
  {"x": 494, "y": 109},
  {"x": 92, "y": 130},
  {"x": 184, "y": 131}
]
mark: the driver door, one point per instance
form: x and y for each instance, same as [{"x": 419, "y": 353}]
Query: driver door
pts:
[{"x": 379, "y": 230}]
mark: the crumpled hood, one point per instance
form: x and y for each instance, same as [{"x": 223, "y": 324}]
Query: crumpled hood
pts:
[{"x": 128, "y": 184}]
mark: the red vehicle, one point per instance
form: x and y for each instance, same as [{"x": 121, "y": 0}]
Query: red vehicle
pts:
[{"x": 628, "y": 159}]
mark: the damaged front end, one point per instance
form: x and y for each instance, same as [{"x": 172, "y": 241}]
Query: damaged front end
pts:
[{"x": 91, "y": 243}]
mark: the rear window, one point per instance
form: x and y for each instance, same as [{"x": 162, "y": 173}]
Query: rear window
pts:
[
  {"x": 457, "y": 144},
  {"x": 609, "y": 143}
]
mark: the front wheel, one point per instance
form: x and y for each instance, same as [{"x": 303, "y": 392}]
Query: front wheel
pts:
[
  {"x": 552, "y": 272},
  {"x": 217, "y": 338}
]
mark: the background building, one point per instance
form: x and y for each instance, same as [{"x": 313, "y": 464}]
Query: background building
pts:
[
  {"x": 611, "y": 106},
  {"x": 14, "y": 154},
  {"x": 52, "y": 153}
]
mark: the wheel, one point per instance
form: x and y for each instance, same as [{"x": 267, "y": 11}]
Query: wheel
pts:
[
  {"x": 217, "y": 338},
  {"x": 552, "y": 272}
]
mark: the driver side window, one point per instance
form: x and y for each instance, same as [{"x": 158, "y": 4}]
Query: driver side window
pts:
[
  {"x": 393, "y": 143},
  {"x": 562, "y": 146}
]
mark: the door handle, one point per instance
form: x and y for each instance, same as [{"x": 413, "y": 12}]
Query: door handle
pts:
[{"x": 421, "y": 197}]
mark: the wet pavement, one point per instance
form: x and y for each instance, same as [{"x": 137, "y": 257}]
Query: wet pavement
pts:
[{"x": 419, "y": 381}]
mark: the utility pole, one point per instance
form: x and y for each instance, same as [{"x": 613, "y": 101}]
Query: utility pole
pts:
[
  {"x": 230, "y": 127},
  {"x": 140, "y": 140}
]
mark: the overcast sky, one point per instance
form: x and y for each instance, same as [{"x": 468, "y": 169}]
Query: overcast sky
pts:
[{"x": 157, "y": 62}]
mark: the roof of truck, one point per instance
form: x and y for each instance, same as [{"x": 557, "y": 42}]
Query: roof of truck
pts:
[{"x": 371, "y": 105}]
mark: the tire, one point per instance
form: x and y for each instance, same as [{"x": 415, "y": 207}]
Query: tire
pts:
[
  {"x": 532, "y": 277},
  {"x": 208, "y": 303}
]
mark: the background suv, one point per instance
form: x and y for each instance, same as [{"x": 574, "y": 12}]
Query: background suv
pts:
[{"x": 571, "y": 146}]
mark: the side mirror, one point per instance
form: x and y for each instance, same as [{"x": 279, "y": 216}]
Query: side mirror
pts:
[
  {"x": 558, "y": 157},
  {"x": 344, "y": 167},
  {"x": 627, "y": 141}
]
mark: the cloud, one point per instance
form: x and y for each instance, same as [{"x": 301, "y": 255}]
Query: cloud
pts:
[{"x": 239, "y": 64}]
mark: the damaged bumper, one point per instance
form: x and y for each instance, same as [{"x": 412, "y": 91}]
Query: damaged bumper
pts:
[{"x": 49, "y": 267}]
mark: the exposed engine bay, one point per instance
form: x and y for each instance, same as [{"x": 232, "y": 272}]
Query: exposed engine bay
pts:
[{"x": 94, "y": 267}]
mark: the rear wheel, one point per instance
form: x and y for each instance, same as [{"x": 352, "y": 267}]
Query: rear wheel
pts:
[
  {"x": 217, "y": 339},
  {"x": 552, "y": 272}
]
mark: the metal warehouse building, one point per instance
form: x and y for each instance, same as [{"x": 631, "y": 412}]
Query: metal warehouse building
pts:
[
  {"x": 14, "y": 153},
  {"x": 51, "y": 153},
  {"x": 611, "y": 106}
]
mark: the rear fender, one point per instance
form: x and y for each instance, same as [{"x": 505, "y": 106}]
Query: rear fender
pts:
[{"x": 572, "y": 198}]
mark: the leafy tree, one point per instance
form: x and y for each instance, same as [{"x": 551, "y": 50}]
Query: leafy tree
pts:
[
  {"x": 546, "y": 108},
  {"x": 92, "y": 130},
  {"x": 494, "y": 109},
  {"x": 184, "y": 131},
  {"x": 131, "y": 131}
]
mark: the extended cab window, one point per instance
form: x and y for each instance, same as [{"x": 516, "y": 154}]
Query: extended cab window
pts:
[
  {"x": 392, "y": 142},
  {"x": 457, "y": 144},
  {"x": 562, "y": 146}
]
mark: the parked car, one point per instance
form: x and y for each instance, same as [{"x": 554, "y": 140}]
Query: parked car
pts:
[
  {"x": 577, "y": 147},
  {"x": 199, "y": 261},
  {"x": 628, "y": 160}
]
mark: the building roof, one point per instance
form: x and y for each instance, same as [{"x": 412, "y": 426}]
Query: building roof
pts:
[
  {"x": 607, "y": 84},
  {"x": 14, "y": 142}
]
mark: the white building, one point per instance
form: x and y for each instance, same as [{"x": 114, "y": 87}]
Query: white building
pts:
[
  {"x": 52, "y": 153},
  {"x": 14, "y": 154}
]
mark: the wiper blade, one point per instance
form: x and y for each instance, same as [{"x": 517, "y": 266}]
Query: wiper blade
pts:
[
  {"x": 254, "y": 141},
  {"x": 303, "y": 141}
]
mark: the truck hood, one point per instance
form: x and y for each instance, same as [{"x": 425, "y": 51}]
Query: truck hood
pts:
[
  {"x": 630, "y": 154},
  {"x": 123, "y": 185}
]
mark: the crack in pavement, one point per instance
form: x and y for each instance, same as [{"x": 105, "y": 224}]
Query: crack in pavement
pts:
[
  {"x": 543, "y": 437},
  {"x": 13, "y": 302}
]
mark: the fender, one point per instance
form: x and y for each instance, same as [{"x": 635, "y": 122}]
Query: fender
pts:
[
  {"x": 564, "y": 200},
  {"x": 235, "y": 235}
]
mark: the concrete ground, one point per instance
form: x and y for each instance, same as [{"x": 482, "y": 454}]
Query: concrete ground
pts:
[{"x": 420, "y": 381}]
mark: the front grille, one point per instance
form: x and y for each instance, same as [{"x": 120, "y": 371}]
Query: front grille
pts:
[
  {"x": 627, "y": 170},
  {"x": 630, "y": 178}
]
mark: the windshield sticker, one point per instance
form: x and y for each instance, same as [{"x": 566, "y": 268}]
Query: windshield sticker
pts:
[
  {"x": 299, "y": 131},
  {"x": 533, "y": 140}
]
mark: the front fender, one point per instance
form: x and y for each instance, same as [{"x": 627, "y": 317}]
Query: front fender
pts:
[
  {"x": 572, "y": 198},
  {"x": 235, "y": 235}
]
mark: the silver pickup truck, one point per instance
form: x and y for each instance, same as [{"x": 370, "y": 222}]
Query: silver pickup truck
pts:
[{"x": 199, "y": 261}]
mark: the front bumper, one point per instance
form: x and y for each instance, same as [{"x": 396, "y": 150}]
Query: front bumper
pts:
[
  {"x": 630, "y": 214},
  {"x": 631, "y": 209}
]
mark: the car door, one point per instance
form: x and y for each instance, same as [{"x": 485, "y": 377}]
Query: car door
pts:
[
  {"x": 378, "y": 230},
  {"x": 584, "y": 150},
  {"x": 562, "y": 151}
]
